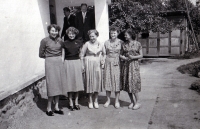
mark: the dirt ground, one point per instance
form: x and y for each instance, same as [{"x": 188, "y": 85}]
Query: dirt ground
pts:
[{"x": 167, "y": 103}]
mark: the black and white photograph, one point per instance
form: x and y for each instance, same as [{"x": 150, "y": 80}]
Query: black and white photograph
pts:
[{"x": 100, "y": 64}]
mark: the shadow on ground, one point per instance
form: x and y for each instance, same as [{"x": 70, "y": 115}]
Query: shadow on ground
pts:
[{"x": 83, "y": 101}]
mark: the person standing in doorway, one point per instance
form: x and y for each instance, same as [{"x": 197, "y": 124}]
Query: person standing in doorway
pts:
[
  {"x": 69, "y": 21},
  {"x": 84, "y": 21}
]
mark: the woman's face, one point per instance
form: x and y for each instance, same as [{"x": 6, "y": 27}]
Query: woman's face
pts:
[
  {"x": 71, "y": 35},
  {"x": 53, "y": 32},
  {"x": 93, "y": 37},
  {"x": 127, "y": 36},
  {"x": 113, "y": 34}
]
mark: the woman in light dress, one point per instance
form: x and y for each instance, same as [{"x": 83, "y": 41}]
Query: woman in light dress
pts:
[
  {"x": 112, "y": 67},
  {"x": 93, "y": 58}
]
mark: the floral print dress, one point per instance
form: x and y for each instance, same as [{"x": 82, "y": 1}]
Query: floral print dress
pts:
[
  {"x": 131, "y": 81},
  {"x": 112, "y": 66}
]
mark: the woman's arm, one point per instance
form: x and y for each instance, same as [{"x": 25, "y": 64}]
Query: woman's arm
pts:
[
  {"x": 122, "y": 54},
  {"x": 104, "y": 52},
  {"x": 103, "y": 56},
  {"x": 42, "y": 49},
  {"x": 132, "y": 57},
  {"x": 63, "y": 55},
  {"x": 82, "y": 54},
  {"x": 83, "y": 51},
  {"x": 136, "y": 57}
]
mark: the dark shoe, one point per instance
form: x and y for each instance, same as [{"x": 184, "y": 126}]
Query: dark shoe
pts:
[
  {"x": 71, "y": 108},
  {"x": 50, "y": 113},
  {"x": 59, "y": 112},
  {"x": 77, "y": 107}
]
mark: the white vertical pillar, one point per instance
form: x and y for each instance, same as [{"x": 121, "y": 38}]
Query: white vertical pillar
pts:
[{"x": 102, "y": 19}]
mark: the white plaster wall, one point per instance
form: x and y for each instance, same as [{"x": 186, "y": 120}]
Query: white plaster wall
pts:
[
  {"x": 23, "y": 24},
  {"x": 60, "y": 4},
  {"x": 102, "y": 19}
]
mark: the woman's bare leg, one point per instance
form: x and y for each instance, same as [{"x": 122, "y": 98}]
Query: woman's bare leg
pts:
[{"x": 108, "y": 93}]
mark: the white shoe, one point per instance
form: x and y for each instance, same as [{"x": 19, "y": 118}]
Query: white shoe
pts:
[
  {"x": 106, "y": 104},
  {"x": 96, "y": 105},
  {"x": 130, "y": 106},
  {"x": 136, "y": 106},
  {"x": 117, "y": 105},
  {"x": 90, "y": 105}
]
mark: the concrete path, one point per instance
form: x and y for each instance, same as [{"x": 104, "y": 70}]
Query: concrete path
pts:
[{"x": 167, "y": 103}]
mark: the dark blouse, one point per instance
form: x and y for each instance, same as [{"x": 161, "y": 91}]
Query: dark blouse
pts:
[
  {"x": 72, "y": 49},
  {"x": 50, "y": 47}
]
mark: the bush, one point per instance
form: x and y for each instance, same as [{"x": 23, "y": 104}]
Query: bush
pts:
[
  {"x": 195, "y": 86},
  {"x": 192, "y": 68}
]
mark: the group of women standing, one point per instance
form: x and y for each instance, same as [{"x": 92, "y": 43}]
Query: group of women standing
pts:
[{"x": 72, "y": 66}]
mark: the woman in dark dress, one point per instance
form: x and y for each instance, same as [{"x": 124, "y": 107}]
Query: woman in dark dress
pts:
[
  {"x": 72, "y": 66},
  {"x": 51, "y": 50},
  {"x": 131, "y": 82}
]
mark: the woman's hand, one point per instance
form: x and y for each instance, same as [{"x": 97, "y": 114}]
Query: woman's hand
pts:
[
  {"x": 102, "y": 61},
  {"x": 131, "y": 57},
  {"x": 103, "y": 66},
  {"x": 124, "y": 58},
  {"x": 83, "y": 69}
]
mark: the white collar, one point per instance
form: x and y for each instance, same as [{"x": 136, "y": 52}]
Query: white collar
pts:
[
  {"x": 84, "y": 13},
  {"x": 68, "y": 16}
]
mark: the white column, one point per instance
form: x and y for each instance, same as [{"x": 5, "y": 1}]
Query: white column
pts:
[{"x": 102, "y": 19}]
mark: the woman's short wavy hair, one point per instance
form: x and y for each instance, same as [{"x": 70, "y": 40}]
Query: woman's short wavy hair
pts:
[
  {"x": 93, "y": 31},
  {"x": 73, "y": 30},
  {"x": 114, "y": 28},
  {"x": 131, "y": 33},
  {"x": 53, "y": 26}
]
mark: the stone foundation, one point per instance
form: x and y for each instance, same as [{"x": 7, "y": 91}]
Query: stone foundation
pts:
[{"x": 17, "y": 104}]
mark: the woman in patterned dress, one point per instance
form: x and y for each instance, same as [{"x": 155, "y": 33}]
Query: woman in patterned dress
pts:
[
  {"x": 131, "y": 81},
  {"x": 112, "y": 67},
  {"x": 72, "y": 67},
  {"x": 93, "y": 50}
]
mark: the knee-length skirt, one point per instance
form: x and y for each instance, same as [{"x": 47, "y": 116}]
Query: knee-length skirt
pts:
[
  {"x": 54, "y": 73},
  {"x": 73, "y": 79},
  {"x": 93, "y": 74},
  {"x": 131, "y": 81},
  {"x": 111, "y": 76}
]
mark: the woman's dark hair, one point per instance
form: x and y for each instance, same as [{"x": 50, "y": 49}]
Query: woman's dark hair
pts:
[
  {"x": 131, "y": 33},
  {"x": 93, "y": 31},
  {"x": 66, "y": 9},
  {"x": 83, "y": 4},
  {"x": 53, "y": 26},
  {"x": 73, "y": 30},
  {"x": 114, "y": 28}
]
